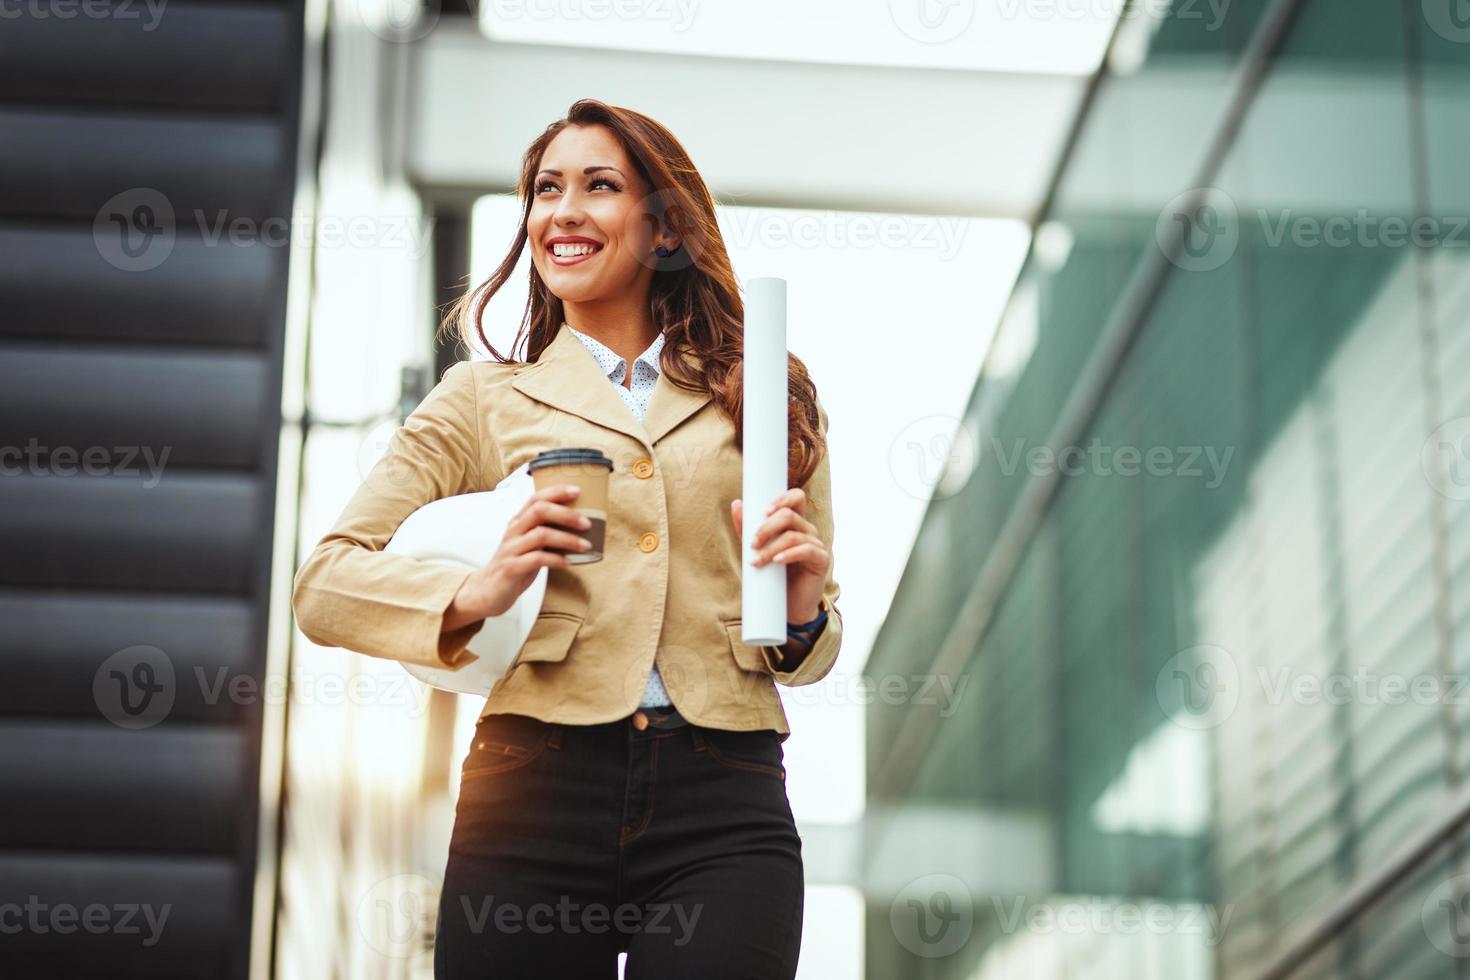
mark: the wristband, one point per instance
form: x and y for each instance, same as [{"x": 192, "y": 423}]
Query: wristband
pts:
[{"x": 806, "y": 632}]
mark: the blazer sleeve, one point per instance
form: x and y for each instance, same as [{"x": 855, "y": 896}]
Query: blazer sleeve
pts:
[
  {"x": 819, "y": 659},
  {"x": 351, "y": 593}
]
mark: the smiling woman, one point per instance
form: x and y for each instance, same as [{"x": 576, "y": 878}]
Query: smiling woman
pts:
[
  {"x": 627, "y": 259},
  {"x": 632, "y": 754},
  {"x": 617, "y": 182}
]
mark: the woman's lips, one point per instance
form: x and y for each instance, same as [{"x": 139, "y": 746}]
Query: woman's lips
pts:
[{"x": 571, "y": 259}]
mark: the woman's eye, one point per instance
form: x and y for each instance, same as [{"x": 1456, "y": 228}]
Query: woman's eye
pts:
[{"x": 597, "y": 180}]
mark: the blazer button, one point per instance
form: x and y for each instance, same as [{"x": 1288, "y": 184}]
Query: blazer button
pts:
[
  {"x": 643, "y": 469},
  {"x": 649, "y": 541}
]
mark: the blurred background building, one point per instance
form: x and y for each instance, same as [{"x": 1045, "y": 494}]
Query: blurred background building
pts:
[
  {"x": 1216, "y": 657},
  {"x": 1152, "y": 543}
]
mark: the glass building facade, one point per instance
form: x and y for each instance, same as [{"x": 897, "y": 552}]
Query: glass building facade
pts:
[{"x": 1192, "y": 597}]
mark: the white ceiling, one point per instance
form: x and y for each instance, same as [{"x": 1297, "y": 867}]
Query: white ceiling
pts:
[
  {"x": 1065, "y": 37},
  {"x": 775, "y": 133}
]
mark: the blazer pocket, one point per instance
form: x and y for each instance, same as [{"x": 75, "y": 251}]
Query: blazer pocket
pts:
[
  {"x": 550, "y": 637},
  {"x": 747, "y": 656}
]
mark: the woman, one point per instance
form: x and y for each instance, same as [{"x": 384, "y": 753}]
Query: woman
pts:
[{"x": 625, "y": 789}]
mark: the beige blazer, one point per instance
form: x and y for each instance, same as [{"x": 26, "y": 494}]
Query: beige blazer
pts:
[{"x": 667, "y": 590}]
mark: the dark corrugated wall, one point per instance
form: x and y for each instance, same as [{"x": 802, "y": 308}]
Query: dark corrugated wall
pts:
[{"x": 140, "y": 383}]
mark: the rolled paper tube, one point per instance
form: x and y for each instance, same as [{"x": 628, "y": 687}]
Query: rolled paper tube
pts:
[{"x": 763, "y": 476}]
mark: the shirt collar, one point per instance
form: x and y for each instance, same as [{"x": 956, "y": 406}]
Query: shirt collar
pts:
[{"x": 612, "y": 365}]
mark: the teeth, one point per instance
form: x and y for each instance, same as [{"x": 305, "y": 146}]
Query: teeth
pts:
[{"x": 561, "y": 249}]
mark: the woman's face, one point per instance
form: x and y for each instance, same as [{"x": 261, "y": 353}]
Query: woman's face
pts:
[{"x": 573, "y": 210}]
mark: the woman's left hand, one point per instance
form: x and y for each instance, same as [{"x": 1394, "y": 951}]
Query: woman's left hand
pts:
[{"x": 786, "y": 536}]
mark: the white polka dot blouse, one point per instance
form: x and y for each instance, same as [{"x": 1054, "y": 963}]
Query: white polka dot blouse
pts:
[{"x": 636, "y": 395}]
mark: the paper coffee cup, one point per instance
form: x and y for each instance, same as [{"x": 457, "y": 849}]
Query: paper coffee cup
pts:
[{"x": 588, "y": 469}]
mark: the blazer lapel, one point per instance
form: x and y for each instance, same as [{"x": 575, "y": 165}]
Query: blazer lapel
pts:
[
  {"x": 568, "y": 377},
  {"x": 669, "y": 404}
]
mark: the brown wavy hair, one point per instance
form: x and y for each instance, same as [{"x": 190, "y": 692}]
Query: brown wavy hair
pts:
[{"x": 694, "y": 297}]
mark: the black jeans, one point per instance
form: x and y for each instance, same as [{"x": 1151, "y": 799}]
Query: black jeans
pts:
[{"x": 572, "y": 843}]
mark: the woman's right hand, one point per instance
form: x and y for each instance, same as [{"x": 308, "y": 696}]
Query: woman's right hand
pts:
[{"x": 540, "y": 524}]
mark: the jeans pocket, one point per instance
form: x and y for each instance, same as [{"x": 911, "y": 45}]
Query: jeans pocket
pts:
[
  {"x": 754, "y": 751},
  {"x": 504, "y": 742}
]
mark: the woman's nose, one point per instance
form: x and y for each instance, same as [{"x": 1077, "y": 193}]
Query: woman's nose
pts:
[{"x": 568, "y": 210}]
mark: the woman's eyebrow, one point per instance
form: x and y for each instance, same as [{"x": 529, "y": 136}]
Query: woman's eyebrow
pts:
[{"x": 585, "y": 170}]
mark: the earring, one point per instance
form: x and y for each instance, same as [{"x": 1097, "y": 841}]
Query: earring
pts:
[{"x": 662, "y": 251}]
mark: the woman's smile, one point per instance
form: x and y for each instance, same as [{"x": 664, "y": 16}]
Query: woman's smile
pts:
[{"x": 567, "y": 250}]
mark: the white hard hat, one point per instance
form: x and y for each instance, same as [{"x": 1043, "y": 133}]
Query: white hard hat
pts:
[{"x": 465, "y": 531}]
